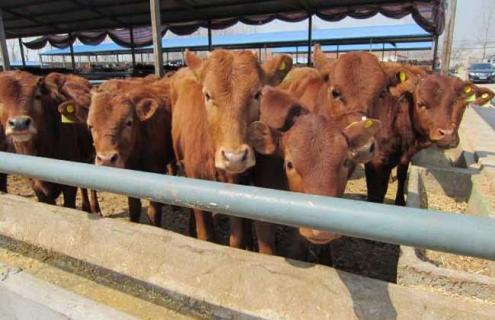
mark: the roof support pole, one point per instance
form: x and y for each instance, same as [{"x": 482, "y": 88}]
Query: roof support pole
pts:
[
  {"x": 41, "y": 60},
  {"x": 383, "y": 51},
  {"x": 133, "y": 54},
  {"x": 156, "y": 27},
  {"x": 338, "y": 47},
  {"x": 117, "y": 56},
  {"x": 21, "y": 47},
  {"x": 3, "y": 45},
  {"x": 209, "y": 35},
  {"x": 310, "y": 35},
  {"x": 449, "y": 34},
  {"x": 72, "y": 59},
  {"x": 435, "y": 52},
  {"x": 297, "y": 54}
]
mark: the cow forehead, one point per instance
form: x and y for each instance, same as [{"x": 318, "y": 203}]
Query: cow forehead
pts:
[
  {"x": 313, "y": 141},
  {"x": 435, "y": 88},
  {"x": 107, "y": 108},
  {"x": 227, "y": 71},
  {"x": 17, "y": 87}
]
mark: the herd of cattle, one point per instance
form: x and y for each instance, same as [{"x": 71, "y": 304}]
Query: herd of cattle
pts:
[{"x": 229, "y": 118}]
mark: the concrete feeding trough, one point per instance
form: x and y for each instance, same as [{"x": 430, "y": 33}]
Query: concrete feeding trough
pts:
[{"x": 451, "y": 182}]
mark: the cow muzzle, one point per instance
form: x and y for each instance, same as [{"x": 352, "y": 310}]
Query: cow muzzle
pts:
[
  {"x": 108, "y": 159},
  {"x": 235, "y": 161},
  {"x": 20, "y": 128},
  {"x": 317, "y": 236},
  {"x": 445, "y": 138}
]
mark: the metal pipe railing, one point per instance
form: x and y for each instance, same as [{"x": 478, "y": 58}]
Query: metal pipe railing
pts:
[{"x": 456, "y": 233}]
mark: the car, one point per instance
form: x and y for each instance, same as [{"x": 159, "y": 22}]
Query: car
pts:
[{"x": 482, "y": 72}]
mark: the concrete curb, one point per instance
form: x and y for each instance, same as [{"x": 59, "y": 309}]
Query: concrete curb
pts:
[
  {"x": 229, "y": 283},
  {"x": 414, "y": 271},
  {"x": 23, "y": 296}
]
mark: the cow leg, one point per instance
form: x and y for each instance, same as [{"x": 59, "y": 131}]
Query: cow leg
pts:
[
  {"x": 70, "y": 194},
  {"x": 3, "y": 182},
  {"x": 85, "y": 200},
  {"x": 93, "y": 202},
  {"x": 155, "y": 213},
  {"x": 134, "y": 209},
  {"x": 265, "y": 236},
  {"x": 401, "y": 182},
  {"x": 377, "y": 182},
  {"x": 236, "y": 232},
  {"x": 204, "y": 225}
]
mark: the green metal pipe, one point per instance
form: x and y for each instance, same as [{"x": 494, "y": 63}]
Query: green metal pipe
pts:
[{"x": 456, "y": 233}]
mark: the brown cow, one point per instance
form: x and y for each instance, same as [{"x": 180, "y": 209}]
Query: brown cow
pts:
[
  {"x": 131, "y": 129},
  {"x": 213, "y": 102},
  {"x": 30, "y": 118},
  {"x": 422, "y": 109},
  {"x": 316, "y": 155}
]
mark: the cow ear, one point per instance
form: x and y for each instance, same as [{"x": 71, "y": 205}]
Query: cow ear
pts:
[
  {"x": 278, "y": 109},
  {"x": 264, "y": 139},
  {"x": 400, "y": 79},
  {"x": 276, "y": 68},
  {"x": 72, "y": 112},
  {"x": 477, "y": 95},
  {"x": 51, "y": 85},
  {"x": 320, "y": 60},
  {"x": 193, "y": 61},
  {"x": 146, "y": 108},
  {"x": 361, "y": 133}
]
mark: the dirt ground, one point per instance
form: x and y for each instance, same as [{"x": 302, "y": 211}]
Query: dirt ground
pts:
[{"x": 442, "y": 202}]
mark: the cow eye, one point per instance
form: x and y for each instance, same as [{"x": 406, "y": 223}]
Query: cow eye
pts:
[
  {"x": 423, "y": 106},
  {"x": 207, "y": 96},
  {"x": 289, "y": 165},
  {"x": 37, "y": 96},
  {"x": 257, "y": 96},
  {"x": 128, "y": 123},
  {"x": 90, "y": 127},
  {"x": 335, "y": 93}
]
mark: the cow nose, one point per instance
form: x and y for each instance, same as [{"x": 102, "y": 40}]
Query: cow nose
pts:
[
  {"x": 20, "y": 123},
  {"x": 236, "y": 160},
  {"x": 107, "y": 158},
  {"x": 445, "y": 132}
]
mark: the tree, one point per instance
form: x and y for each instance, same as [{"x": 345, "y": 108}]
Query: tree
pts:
[{"x": 487, "y": 15}]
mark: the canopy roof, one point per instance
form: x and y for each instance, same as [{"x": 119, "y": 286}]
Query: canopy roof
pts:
[
  {"x": 390, "y": 34},
  {"x": 409, "y": 46},
  {"x": 24, "y": 18}
]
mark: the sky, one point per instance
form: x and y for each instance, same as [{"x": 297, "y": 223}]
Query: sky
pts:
[{"x": 467, "y": 32}]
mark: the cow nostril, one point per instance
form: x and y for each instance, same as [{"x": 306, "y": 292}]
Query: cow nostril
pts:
[
  {"x": 27, "y": 122},
  {"x": 224, "y": 156},
  {"x": 244, "y": 155},
  {"x": 11, "y": 123},
  {"x": 113, "y": 159},
  {"x": 372, "y": 148}
]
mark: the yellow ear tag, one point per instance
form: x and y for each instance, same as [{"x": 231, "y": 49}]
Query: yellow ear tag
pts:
[
  {"x": 66, "y": 120},
  {"x": 471, "y": 98},
  {"x": 368, "y": 123},
  {"x": 468, "y": 89},
  {"x": 282, "y": 66},
  {"x": 485, "y": 96},
  {"x": 69, "y": 108},
  {"x": 402, "y": 76}
]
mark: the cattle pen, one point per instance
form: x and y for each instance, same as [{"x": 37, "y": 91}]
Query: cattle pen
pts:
[{"x": 432, "y": 256}]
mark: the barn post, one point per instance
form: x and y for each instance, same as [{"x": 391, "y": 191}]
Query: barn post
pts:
[
  {"x": 3, "y": 45},
  {"x": 297, "y": 54},
  {"x": 21, "y": 47},
  {"x": 338, "y": 47},
  {"x": 310, "y": 35},
  {"x": 383, "y": 51},
  {"x": 435, "y": 52},
  {"x": 209, "y": 35},
  {"x": 72, "y": 59},
  {"x": 41, "y": 60},
  {"x": 156, "y": 26},
  {"x": 447, "y": 42},
  {"x": 133, "y": 55}
]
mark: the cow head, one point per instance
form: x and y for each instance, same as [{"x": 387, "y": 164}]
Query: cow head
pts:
[
  {"x": 317, "y": 154},
  {"x": 115, "y": 120},
  {"x": 21, "y": 104},
  {"x": 437, "y": 102},
  {"x": 355, "y": 82},
  {"x": 231, "y": 84}
]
